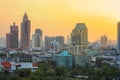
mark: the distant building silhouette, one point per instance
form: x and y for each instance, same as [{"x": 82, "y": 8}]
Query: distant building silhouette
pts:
[
  {"x": 104, "y": 41},
  {"x": 12, "y": 37},
  {"x": 25, "y": 32}
]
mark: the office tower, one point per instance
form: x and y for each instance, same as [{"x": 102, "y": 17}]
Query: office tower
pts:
[
  {"x": 25, "y": 32},
  {"x": 39, "y": 33},
  {"x": 12, "y": 37},
  {"x": 118, "y": 37},
  {"x": 79, "y": 41},
  {"x": 104, "y": 41},
  {"x": 60, "y": 39},
  {"x": 79, "y": 36},
  {"x": 37, "y": 39},
  {"x": 48, "y": 40}
]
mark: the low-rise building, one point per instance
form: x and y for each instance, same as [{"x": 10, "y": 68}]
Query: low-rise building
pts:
[{"x": 64, "y": 58}]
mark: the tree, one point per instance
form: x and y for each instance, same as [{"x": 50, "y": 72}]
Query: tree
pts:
[
  {"x": 33, "y": 77},
  {"x": 24, "y": 72}
]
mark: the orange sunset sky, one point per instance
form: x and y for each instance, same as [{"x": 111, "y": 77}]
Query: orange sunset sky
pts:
[{"x": 59, "y": 17}]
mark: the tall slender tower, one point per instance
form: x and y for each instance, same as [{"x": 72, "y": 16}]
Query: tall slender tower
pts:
[
  {"x": 118, "y": 37},
  {"x": 25, "y": 32},
  {"x": 12, "y": 37}
]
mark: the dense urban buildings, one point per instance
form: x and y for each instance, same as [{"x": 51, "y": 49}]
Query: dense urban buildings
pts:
[
  {"x": 37, "y": 39},
  {"x": 12, "y": 37},
  {"x": 25, "y": 32},
  {"x": 118, "y": 37}
]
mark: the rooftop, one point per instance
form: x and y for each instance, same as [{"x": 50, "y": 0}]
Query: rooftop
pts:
[
  {"x": 80, "y": 26},
  {"x": 64, "y": 53}
]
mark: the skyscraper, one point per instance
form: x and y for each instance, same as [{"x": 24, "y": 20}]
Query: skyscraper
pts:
[
  {"x": 79, "y": 36},
  {"x": 118, "y": 37},
  {"x": 79, "y": 41},
  {"x": 12, "y": 37},
  {"x": 25, "y": 32},
  {"x": 37, "y": 39}
]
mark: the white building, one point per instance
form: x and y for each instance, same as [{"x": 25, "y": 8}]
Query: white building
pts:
[{"x": 37, "y": 40}]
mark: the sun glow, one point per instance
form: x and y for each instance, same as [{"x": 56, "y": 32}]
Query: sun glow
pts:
[{"x": 59, "y": 17}]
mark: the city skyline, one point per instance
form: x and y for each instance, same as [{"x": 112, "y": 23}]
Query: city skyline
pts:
[{"x": 59, "y": 17}]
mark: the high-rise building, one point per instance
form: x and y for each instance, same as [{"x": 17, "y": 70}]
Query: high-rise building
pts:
[
  {"x": 118, "y": 37},
  {"x": 48, "y": 40},
  {"x": 60, "y": 39},
  {"x": 79, "y": 38},
  {"x": 25, "y": 32},
  {"x": 79, "y": 41},
  {"x": 104, "y": 42},
  {"x": 37, "y": 39},
  {"x": 12, "y": 37}
]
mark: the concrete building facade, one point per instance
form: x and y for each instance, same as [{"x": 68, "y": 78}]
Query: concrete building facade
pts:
[
  {"x": 25, "y": 32},
  {"x": 79, "y": 41},
  {"x": 12, "y": 37}
]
